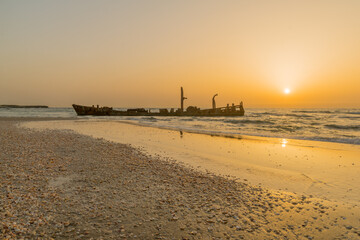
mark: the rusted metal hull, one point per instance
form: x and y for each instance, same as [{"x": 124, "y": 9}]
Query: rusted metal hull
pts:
[{"x": 108, "y": 111}]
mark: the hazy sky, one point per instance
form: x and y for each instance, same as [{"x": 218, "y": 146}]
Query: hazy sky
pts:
[{"x": 138, "y": 53}]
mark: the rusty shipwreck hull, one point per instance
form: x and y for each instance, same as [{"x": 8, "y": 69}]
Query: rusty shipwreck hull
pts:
[
  {"x": 108, "y": 111},
  {"x": 233, "y": 110}
]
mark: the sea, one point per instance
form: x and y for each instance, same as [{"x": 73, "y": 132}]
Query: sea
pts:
[{"x": 327, "y": 125}]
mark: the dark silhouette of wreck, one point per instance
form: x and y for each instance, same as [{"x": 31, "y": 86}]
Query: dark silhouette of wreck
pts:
[{"x": 233, "y": 110}]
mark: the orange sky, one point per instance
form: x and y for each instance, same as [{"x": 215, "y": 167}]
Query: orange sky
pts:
[{"x": 139, "y": 53}]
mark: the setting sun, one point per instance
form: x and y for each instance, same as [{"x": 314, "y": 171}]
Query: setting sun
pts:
[{"x": 180, "y": 119}]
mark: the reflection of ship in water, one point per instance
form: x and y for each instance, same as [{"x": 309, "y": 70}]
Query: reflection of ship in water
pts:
[{"x": 233, "y": 110}]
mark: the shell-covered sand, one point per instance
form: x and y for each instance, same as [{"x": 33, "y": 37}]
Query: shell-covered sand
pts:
[{"x": 62, "y": 185}]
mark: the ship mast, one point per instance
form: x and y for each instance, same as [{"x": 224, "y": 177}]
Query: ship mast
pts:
[
  {"x": 182, "y": 98},
  {"x": 213, "y": 101}
]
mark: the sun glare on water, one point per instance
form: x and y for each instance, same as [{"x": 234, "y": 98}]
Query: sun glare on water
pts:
[{"x": 286, "y": 90}]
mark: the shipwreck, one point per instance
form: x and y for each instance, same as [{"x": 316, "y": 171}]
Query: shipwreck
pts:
[{"x": 229, "y": 110}]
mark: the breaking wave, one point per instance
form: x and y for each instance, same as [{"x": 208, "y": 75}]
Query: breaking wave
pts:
[
  {"x": 248, "y": 121},
  {"x": 313, "y": 111},
  {"x": 348, "y": 127}
]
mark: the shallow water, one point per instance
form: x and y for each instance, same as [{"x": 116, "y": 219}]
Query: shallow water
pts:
[{"x": 329, "y": 125}]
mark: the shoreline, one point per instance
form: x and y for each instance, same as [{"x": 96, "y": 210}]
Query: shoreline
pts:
[
  {"x": 229, "y": 135},
  {"x": 61, "y": 184},
  {"x": 316, "y": 142},
  {"x": 325, "y": 170}
]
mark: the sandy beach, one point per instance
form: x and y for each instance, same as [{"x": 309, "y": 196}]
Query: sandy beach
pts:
[{"x": 61, "y": 184}]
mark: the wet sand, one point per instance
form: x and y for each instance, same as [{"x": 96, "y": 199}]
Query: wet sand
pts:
[{"x": 61, "y": 184}]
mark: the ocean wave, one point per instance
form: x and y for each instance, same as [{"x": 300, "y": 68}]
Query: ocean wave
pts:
[
  {"x": 343, "y": 127},
  {"x": 350, "y": 117},
  {"x": 284, "y": 114},
  {"x": 353, "y": 113},
  {"x": 150, "y": 119},
  {"x": 272, "y": 114},
  {"x": 298, "y": 115},
  {"x": 247, "y": 121},
  {"x": 287, "y": 128},
  {"x": 187, "y": 119},
  {"x": 313, "y": 111}
]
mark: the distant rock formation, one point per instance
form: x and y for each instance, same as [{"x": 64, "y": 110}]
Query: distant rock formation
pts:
[{"x": 23, "y": 106}]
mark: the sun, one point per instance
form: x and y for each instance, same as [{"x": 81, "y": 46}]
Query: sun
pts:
[{"x": 286, "y": 90}]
